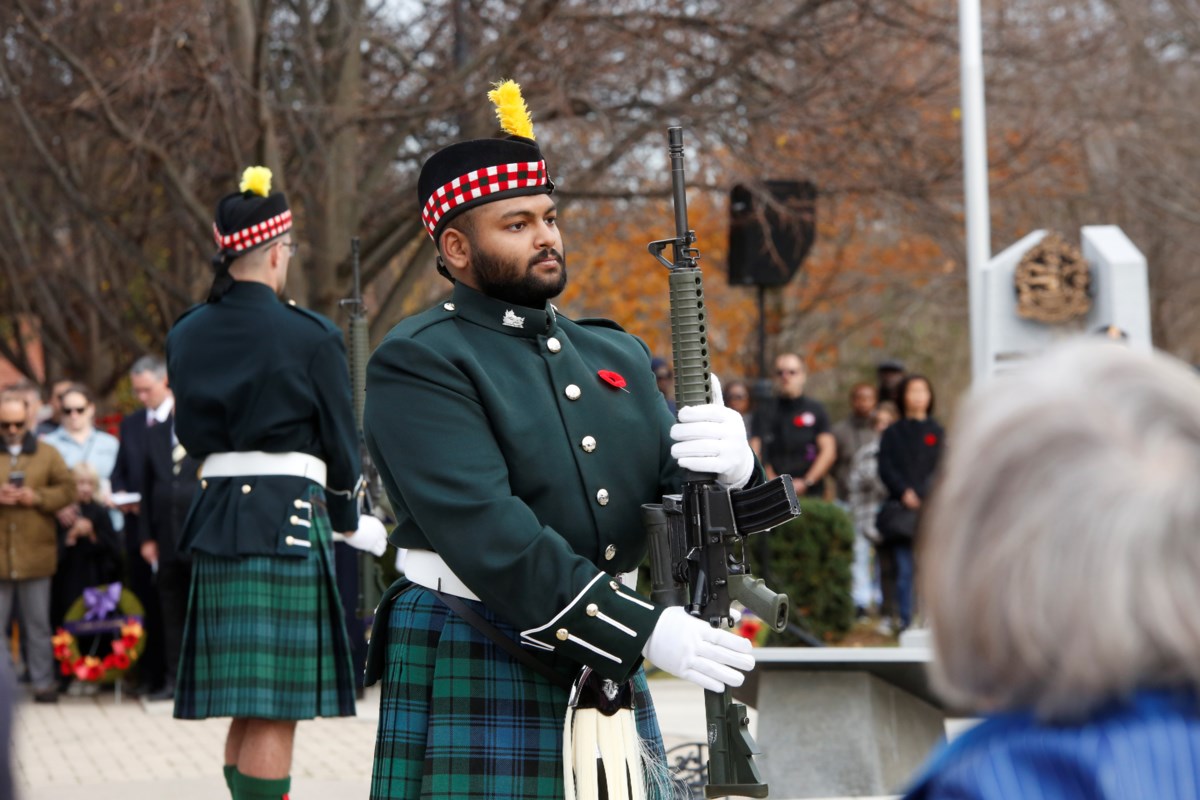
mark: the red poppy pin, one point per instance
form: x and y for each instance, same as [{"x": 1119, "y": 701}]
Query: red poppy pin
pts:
[
  {"x": 931, "y": 439},
  {"x": 805, "y": 420},
  {"x": 613, "y": 379}
]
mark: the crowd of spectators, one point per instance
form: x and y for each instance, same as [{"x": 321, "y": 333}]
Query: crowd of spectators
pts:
[
  {"x": 877, "y": 464},
  {"x": 88, "y": 508},
  {"x": 80, "y": 507}
]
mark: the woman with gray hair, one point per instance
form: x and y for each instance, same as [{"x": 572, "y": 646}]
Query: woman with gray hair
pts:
[{"x": 1061, "y": 574}]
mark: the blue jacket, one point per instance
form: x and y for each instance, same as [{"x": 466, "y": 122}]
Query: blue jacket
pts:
[{"x": 1144, "y": 748}]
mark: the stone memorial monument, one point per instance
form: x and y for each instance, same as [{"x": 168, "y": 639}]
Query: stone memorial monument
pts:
[{"x": 1044, "y": 288}]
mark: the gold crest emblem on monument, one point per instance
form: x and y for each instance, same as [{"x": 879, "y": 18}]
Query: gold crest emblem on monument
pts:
[{"x": 1053, "y": 282}]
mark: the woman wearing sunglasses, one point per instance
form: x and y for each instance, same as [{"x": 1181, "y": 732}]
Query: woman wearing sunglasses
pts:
[{"x": 80, "y": 443}]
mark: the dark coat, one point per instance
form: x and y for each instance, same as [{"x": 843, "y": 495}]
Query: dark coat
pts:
[
  {"x": 129, "y": 471},
  {"x": 909, "y": 453},
  {"x": 85, "y": 563},
  {"x": 251, "y": 373},
  {"x": 168, "y": 488}
]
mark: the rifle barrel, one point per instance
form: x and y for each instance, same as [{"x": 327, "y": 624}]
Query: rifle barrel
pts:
[
  {"x": 678, "y": 189},
  {"x": 357, "y": 273},
  {"x": 360, "y": 349}
]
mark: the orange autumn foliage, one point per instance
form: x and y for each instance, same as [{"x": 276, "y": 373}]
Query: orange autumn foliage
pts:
[
  {"x": 846, "y": 287},
  {"x": 614, "y": 276}
]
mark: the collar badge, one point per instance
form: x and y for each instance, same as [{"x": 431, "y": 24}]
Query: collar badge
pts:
[{"x": 511, "y": 320}]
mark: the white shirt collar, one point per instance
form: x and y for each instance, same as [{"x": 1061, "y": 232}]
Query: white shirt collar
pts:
[{"x": 163, "y": 411}]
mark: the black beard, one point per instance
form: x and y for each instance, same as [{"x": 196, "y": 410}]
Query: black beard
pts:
[{"x": 512, "y": 283}]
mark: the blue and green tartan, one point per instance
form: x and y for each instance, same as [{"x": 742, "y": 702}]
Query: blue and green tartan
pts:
[
  {"x": 459, "y": 717},
  {"x": 265, "y": 637}
]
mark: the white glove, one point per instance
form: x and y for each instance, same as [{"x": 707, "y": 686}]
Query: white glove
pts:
[
  {"x": 370, "y": 536},
  {"x": 692, "y": 649},
  {"x": 712, "y": 439}
]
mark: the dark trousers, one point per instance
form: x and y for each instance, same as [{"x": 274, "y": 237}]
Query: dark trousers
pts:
[
  {"x": 174, "y": 586},
  {"x": 906, "y": 575},
  {"x": 140, "y": 581},
  {"x": 345, "y": 561},
  {"x": 34, "y": 595},
  {"x": 897, "y": 579},
  {"x": 885, "y": 556}
]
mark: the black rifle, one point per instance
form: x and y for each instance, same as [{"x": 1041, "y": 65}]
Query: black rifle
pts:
[
  {"x": 370, "y": 576},
  {"x": 697, "y": 539}
]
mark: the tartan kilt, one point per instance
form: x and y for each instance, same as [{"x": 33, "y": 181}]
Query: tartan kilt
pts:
[
  {"x": 459, "y": 717},
  {"x": 265, "y": 637}
]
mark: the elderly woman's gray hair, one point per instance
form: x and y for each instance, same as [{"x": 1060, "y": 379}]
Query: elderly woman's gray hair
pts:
[{"x": 1060, "y": 561}]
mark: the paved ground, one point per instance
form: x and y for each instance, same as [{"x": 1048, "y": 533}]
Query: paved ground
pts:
[{"x": 96, "y": 749}]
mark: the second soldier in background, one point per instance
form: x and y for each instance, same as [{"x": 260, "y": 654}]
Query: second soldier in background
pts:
[{"x": 262, "y": 395}]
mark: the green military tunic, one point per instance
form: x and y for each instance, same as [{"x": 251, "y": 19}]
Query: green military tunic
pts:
[
  {"x": 504, "y": 450},
  {"x": 264, "y": 636},
  {"x": 253, "y": 373}
]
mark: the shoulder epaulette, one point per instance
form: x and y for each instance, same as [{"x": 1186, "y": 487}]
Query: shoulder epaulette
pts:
[
  {"x": 320, "y": 319},
  {"x": 189, "y": 311},
  {"x": 599, "y": 322},
  {"x": 411, "y": 326}
]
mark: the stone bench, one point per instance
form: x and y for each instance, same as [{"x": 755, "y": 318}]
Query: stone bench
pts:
[{"x": 842, "y": 722}]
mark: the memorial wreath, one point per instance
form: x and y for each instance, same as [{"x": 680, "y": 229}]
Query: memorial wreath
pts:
[{"x": 108, "y": 619}]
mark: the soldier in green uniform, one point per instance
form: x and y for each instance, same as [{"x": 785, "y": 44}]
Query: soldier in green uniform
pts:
[
  {"x": 262, "y": 397},
  {"x": 517, "y": 446}
]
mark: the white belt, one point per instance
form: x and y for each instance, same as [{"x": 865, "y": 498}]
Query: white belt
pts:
[
  {"x": 426, "y": 568},
  {"x": 256, "y": 462}
]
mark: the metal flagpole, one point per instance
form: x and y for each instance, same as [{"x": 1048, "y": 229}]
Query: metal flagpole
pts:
[{"x": 975, "y": 176}]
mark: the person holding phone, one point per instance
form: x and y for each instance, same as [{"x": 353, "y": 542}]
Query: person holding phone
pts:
[{"x": 34, "y": 484}]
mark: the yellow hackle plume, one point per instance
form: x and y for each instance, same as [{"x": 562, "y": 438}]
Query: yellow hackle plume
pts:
[
  {"x": 511, "y": 109},
  {"x": 257, "y": 180}
]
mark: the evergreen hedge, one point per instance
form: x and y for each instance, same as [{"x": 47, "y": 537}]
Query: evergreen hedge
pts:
[{"x": 809, "y": 560}]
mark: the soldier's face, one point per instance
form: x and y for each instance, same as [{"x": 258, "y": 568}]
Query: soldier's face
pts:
[{"x": 517, "y": 252}]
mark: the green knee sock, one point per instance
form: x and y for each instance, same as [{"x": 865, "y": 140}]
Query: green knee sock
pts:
[
  {"x": 229, "y": 770},
  {"x": 247, "y": 788}
]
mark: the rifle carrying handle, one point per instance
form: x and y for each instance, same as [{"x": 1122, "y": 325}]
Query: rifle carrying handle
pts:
[{"x": 360, "y": 352}]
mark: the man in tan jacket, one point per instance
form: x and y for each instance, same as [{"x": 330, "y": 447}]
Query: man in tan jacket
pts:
[{"x": 34, "y": 483}]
